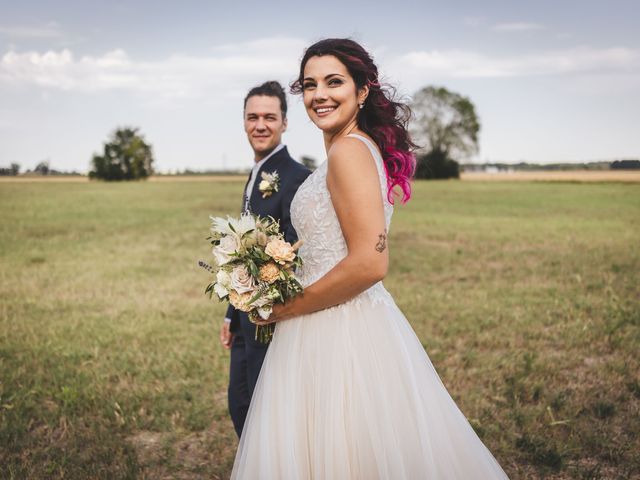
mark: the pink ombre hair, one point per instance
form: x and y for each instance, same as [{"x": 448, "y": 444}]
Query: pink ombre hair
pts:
[{"x": 382, "y": 118}]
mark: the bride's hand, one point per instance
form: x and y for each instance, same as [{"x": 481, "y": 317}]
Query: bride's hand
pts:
[{"x": 276, "y": 315}]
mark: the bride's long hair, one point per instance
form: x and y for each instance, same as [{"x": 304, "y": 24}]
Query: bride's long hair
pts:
[{"x": 383, "y": 118}]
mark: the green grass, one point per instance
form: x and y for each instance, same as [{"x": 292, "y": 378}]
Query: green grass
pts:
[{"x": 525, "y": 295}]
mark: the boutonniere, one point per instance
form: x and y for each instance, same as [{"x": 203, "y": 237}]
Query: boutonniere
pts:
[{"x": 269, "y": 183}]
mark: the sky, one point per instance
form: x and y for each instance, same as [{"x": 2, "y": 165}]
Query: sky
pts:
[{"x": 552, "y": 81}]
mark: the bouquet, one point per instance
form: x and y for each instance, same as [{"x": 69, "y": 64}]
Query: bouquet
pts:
[{"x": 254, "y": 267}]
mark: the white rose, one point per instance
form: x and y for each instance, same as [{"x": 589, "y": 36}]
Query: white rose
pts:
[
  {"x": 228, "y": 244},
  {"x": 261, "y": 301},
  {"x": 265, "y": 312},
  {"x": 264, "y": 185},
  {"x": 223, "y": 278},
  {"x": 220, "y": 290},
  {"x": 241, "y": 280}
]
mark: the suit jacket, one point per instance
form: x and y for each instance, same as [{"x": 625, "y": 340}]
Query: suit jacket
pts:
[{"x": 277, "y": 205}]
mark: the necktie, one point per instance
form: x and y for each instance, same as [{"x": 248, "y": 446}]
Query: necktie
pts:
[{"x": 247, "y": 195}]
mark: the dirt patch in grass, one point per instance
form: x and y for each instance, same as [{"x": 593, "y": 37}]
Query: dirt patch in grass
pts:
[{"x": 183, "y": 455}]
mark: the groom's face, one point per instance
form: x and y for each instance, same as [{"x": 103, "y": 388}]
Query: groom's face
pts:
[{"x": 264, "y": 124}]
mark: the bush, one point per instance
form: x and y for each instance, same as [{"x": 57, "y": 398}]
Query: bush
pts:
[
  {"x": 436, "y": 165},
  {"x": 126, "y": 157}
]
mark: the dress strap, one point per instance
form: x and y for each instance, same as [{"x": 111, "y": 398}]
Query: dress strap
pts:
[
  {"x": 368, "y": 143},
  {"x": 374, "y": 152}
]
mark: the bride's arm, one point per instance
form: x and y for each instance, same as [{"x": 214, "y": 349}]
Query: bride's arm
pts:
[{"x": 354, "y": 185}]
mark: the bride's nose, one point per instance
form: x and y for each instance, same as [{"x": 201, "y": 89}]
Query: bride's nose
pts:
[{"x": 320, "y": 94}]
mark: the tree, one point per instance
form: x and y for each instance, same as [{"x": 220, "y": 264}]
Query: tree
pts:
[
  {"x": 126, "y": 157},
  {"x": 42, "y": 168},
  {"x": 445, "y": 126},
  {"x": 625, "y": 165},
  {"x": 13, "y": 170},
  {"x": 308, "y": 162},
  {"x": 436, "y": 165}
]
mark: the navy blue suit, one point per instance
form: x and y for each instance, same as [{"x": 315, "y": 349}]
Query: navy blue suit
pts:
[{"x": 247, "y": 354}]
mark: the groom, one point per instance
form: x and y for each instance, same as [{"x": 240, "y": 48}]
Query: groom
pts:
[{"x": 265, "y": 120}]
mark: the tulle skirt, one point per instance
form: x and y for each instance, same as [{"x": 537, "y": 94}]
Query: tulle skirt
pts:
[{"x": 349, "y": 393}]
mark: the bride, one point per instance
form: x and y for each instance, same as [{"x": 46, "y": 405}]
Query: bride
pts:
[{"x": 346, "y": 390}]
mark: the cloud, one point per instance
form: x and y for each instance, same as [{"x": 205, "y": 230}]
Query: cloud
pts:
[
  {"x": 461, "y": 63},
  {"x": 50, "y": 30},
  {"x": 232, "y": 68},
  {"x": 176, "y": 76},
  {"x": 517, "y": 27}
]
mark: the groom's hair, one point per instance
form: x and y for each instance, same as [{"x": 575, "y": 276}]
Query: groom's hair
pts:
[{"x": 270, "y": 89}]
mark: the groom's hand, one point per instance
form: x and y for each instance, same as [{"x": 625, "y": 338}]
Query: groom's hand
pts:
[{"x": 225, "y": 335}]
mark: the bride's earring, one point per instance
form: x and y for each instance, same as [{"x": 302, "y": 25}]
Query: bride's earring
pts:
[{"x": 361, "y": 105}]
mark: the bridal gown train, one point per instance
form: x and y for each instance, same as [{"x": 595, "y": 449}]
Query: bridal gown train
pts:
[{"x": 349, "y": 392}]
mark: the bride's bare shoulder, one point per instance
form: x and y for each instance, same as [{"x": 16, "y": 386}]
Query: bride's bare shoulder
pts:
[{"x": 349, "y": 152}]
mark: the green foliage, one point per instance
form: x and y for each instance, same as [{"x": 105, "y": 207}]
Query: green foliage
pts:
[
  {"x": 625, "y": 165},
  {"x": 445, "y": 126},
  {"x": 436, "y": 165},
  {"x": 13, "y": 170},
  {"x": 42, "y": 168},
  {"x": 126, "y": 157},
  {"x": 309, "y": 162}
]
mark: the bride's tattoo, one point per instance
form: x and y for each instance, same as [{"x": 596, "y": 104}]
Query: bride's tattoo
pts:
[{"x": 382, "y": 241}]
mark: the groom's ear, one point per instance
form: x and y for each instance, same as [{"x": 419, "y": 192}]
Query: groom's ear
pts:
[{"x": 284, "y": 124}]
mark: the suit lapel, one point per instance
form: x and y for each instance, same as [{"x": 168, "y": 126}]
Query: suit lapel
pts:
[{"x": 270, "y": 165}]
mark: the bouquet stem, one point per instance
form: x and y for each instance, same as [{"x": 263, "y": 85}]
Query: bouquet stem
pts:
[{"x": 264, "y": 333}]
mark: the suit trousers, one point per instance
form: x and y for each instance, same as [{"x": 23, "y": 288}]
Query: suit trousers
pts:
[{"x": 247, "y": 356}]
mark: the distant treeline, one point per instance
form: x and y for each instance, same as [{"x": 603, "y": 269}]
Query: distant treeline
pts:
[
  {"x": 524, "y": 166},
  {"x": 189, "y": 172},
  {"x": 625, "y": 165},
  {"x": 41, "y": 169}
]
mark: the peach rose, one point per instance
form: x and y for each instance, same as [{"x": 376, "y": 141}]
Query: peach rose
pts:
[
  {"x": 280, "y": 251},
  {"x": 240, "y": 300},
  {"x": 269, "y": 272}
]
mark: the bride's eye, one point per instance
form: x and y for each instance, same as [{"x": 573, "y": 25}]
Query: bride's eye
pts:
[
  {"x": 335, "y": 82},
  {"x": 308, "y": 85}
]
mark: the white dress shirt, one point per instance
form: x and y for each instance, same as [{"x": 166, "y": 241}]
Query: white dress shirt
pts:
[{"x": 254, "y": 173}]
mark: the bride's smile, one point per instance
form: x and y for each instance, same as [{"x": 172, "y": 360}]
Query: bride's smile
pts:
[{"x": 331, "y": 96}]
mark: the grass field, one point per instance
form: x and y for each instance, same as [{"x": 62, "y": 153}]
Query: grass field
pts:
[{"x": 526, "y": 296}]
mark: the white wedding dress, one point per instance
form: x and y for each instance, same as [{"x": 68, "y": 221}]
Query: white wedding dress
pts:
[{"x": 349, "y": 392}]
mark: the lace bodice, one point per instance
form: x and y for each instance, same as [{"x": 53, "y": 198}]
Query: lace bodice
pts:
[{"x": 316, "y": 223}]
